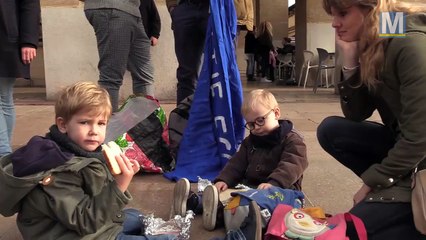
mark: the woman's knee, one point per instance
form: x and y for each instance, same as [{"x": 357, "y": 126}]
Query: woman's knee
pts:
[{"x": 327, "y": 126}]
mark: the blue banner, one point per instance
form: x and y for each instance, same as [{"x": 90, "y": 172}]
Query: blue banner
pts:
[{"x": 216, "y": 126}]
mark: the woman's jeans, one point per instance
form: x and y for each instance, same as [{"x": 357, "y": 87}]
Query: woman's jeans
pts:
[
  {"x": 133, "y": 228},
  {"x": 358, "y": 145},
  {"x": 7, "y": 114}
]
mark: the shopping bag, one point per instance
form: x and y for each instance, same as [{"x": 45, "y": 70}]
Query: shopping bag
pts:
[{"x": 141, "y": 132}]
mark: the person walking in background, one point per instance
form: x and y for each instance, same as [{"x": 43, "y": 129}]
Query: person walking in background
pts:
[
  {"x": 151, "y": 20},
  {"x": 387, "y": 75},
  {"x": 189, "y": 24},
  {"x": 19, "y": 35},
  {"x": 122, "y": 44},
  {"x": 264, "y": 49},
  {"x": 250, "y": 51}
]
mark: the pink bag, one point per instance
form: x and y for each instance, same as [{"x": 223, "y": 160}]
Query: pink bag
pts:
[
  {"x": 282, "y": 226},
  {"x": 339, "y": 231}
]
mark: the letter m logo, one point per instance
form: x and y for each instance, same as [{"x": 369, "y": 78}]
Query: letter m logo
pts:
[{"x": 392, "y": 24}]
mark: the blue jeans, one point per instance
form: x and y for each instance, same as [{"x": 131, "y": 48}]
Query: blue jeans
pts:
[
  {"x": 7, "y": 114},
  {"x": 133, "y": 228}
]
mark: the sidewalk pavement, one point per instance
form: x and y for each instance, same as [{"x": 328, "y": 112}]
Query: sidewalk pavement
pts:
[{"x": 326, "y": 182}]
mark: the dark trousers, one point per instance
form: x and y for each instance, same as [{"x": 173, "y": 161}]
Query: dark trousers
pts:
[
  {"x": 358, "y": 145},
  {"x": 267, "y": 69},
  {"x": 189, "y": 23},
  {"x": 122, "y": 44}
]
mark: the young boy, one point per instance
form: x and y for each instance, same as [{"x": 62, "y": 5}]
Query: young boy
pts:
[
  {"x": 274, "y": 154},
  {"x": 60, "y": 185}
]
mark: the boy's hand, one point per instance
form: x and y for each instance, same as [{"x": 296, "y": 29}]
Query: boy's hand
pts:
[
  {"x": 128, "y": 169},
  {"x": 264, "y": 186},
  {"x": 221, "y": 186}
]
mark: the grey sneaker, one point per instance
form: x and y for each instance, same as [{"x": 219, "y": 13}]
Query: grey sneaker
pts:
[
  {"x": 265, "y": 80},
  {"x": 210, "y": 202},
  {"x": 180, "y": 196}
]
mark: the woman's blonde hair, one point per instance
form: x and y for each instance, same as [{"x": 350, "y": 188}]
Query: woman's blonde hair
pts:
[
  {"x": 371, "y": 47},
  {"x": 265, "y": 27},
  {"x": 258, "y": 97},
  {"x": 80, "y": 96}
]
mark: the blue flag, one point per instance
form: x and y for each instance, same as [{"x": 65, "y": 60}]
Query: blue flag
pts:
[{"x": 216, "y": 126}]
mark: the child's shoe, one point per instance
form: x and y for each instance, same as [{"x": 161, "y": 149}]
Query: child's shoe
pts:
[
  {"x": 180, "y": 196},
  {"x": 210, "y": 205},
  {"x": 252, "y": 224}
]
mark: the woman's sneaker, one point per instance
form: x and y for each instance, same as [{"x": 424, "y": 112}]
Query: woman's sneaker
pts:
[
  {"x": 180, "y": 196},
  {"x": 210, "y": 204},
  {"x": 265, "y": 80}
]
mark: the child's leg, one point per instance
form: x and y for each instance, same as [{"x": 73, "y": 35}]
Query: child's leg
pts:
[
  {"x": 184, "y": 199},
  {"x": 180, "y": 196},
  {"x": 132, "y": 224},
  {"x": 210, "y": 207},
  {"x": 133, "y": 228},
  {"x": 251, "y": 228}
]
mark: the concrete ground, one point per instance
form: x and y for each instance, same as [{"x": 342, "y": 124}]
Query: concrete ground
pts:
[{"x": 326, "y": 182}]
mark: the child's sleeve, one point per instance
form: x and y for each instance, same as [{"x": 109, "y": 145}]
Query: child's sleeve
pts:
[
  {"x": 292, "y": 164},
  {"x": 235, "y": 168},
  {"x": 86, "y": 200}
]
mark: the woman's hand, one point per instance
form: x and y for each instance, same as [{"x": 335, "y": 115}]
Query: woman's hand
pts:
[
  {"x": 361, "y": 194},
  {"x": 349, "y": 52},
  {"x": 154, "y": 41},
  {"x": 264, "y": 186},
  {"x": 128, "y": 169},
  {"x": 221, "y": 186},
  {"x": 28, "y": 54}
]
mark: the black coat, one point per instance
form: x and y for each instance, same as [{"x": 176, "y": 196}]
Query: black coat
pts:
[
  {"x": 150, "y": 18},
  {"x": 250, "y": 43},
  {"x": 19, "y": 27}
]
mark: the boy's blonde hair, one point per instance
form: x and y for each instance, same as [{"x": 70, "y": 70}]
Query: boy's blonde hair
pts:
[
  {"x": 258, "y": 97},
  {"x": 85, "y": 96}
]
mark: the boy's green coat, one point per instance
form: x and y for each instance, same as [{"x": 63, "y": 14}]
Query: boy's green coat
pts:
[{"x": 49, "y": 211}]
